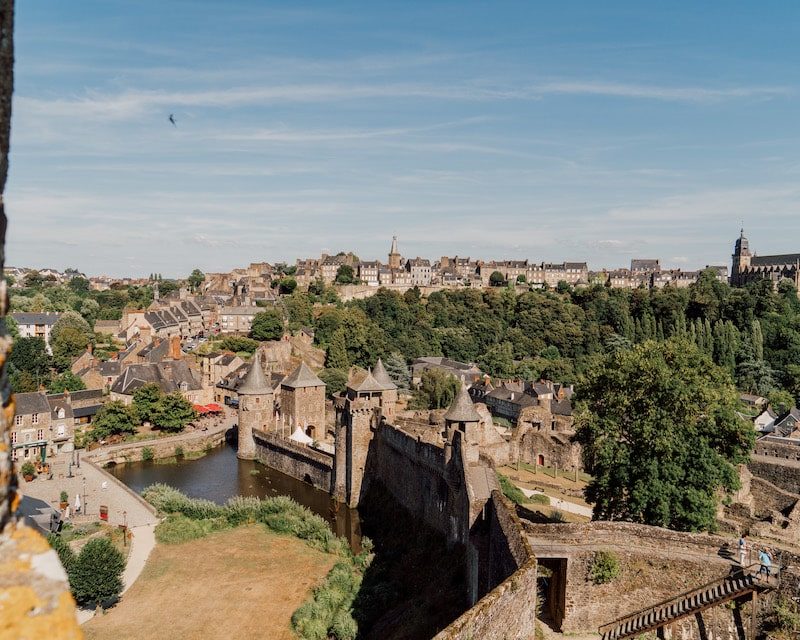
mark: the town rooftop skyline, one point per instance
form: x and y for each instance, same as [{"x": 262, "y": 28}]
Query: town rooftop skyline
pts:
[{"x": 504, "y": 131}]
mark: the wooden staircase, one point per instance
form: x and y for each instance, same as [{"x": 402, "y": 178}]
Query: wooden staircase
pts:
[{"x": 737, "y": 585}]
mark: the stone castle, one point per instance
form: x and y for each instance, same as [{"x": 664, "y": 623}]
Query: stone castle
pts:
[
  {"x": 440, "y": 471},
  {"x": 750, "y": 267}
]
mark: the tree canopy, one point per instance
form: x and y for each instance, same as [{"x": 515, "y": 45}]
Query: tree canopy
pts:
[
  {"x": 95, "y": 576},
  {"x": 113, "y": 418},
  {"x": 267, "y": 325},
  {"x": 195, "y": 279},
  {"x": 660, "y": 435},
  {"x": 173, "y": 412}
]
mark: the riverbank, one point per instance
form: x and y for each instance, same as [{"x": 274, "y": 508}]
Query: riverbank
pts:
[{"x": 191, "y": 444}]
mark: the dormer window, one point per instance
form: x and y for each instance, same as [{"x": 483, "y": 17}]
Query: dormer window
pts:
[{"x": 62, "y": 413}]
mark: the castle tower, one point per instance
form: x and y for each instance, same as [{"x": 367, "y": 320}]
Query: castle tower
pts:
[
  {"x": 741, "y": 260},
  {"x": 389, "y": 397},
  {"x": 462, "y": 416},
  {"x": 303, "y": 401},
  {"x": 394, "y": 255},
  {"x": 256, "y": 406},
  {"x": 358, "y": 414}
]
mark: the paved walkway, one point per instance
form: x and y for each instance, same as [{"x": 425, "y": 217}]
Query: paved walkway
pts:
[{"x": 558, "y": 503}]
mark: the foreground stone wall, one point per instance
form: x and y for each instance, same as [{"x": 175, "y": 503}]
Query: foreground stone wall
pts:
[
  {"x": 508, "y": 611},
  {"x": 34, "y": 597},
  {"x": 295, "y": 460}
]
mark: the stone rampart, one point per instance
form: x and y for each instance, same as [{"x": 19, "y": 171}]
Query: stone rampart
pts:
[
  {"x": 508, "y": 611},
  {"x": 295, "y": 460},
  {"x": 414, "y": 472}
]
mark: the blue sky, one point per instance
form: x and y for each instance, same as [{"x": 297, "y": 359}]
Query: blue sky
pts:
[{"x": 551, "y": 131}]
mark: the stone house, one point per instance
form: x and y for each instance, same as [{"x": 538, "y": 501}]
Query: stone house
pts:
[
  {"x": 420, "y": 271},
  {"x": 47, "y": 423},
  {"x": 237, "y": 318},
  {"x": 369, "y": 272},
  {"x": 765, "y": 421},
  {"x": 170, "y": 376},
  {"x": 466, "y": 372},
  {"x": 36, "y": 325},
  {"x": 215, "y": 367}
]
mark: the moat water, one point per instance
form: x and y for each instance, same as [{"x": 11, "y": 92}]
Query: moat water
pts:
[{"x": 220, "y": 475}]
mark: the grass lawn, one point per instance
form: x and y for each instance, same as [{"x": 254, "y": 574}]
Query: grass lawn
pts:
[{"x": 239, "y": 583}]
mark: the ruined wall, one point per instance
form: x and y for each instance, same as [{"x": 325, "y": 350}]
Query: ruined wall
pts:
[
  {"x": 655, "y": 564},
  {"x": 771, "y": 463},
  {"x": 556, "y": 449},
  {"x": 295, "y": 460}
]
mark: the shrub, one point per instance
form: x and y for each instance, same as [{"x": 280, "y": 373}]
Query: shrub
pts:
[
  {"x": 510, "y": 490},
  {"x": 785, "y": 616},
  {"x": 558, "y": 516},
  {"x": 179, "y": 451},
  {"x": 539, "y": 498},
  {"x": 147, "y": 454},
  {"x": 28, "y": 469},
  {"x": 96, "y": 574},
  {"x": 64, "y": 496},
  {"x": 604, "y": 567},
  {"x": 177, "y": 528}
]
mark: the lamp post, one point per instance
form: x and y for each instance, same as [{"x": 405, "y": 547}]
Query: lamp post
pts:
[
  {"x": 85, "y": 504},
  {"x": 124, "y": 528}
]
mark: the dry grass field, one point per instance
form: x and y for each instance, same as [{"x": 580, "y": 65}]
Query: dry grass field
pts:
[{"x": 239, "y": 583}]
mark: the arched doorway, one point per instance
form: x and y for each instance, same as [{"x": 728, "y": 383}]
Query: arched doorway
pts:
[{"x": 540, "y": 459}]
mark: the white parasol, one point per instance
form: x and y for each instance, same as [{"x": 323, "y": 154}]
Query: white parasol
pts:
[{"x": 77, "y": 502}]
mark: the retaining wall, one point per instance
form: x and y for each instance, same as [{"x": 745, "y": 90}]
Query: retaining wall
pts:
[{"x": 161, "y": 447}]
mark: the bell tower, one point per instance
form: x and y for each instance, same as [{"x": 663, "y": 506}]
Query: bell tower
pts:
[
  {"x": 394, "y": 255},
  {"x": 741, "y": 260}
]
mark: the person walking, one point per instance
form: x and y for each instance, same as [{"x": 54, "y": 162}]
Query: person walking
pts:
[
  {"x": 742, "y": 549},
  {"x": 766, "y": 562}
]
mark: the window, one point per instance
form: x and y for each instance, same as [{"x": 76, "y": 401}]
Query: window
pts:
[
  {"x": 40, "y": 434},
  {"x": 13, "y": 438},
  {"x": 18, "y": 420},
  {"x": 61, "y": 413},
  {"x": 35, "y": 418},
  {"x": 61, "y": 431}
]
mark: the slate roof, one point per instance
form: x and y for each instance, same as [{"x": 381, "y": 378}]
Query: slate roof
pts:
[
  {"x": 561, "y": 407},
  {"x": 462, "y": 409},
  {"x": 57, "y": 402},
  {"x": 365, "y": 382},
  {"x": 382, "y": 376},
  {"x": 28, "y": 403},
  {"x": 167, "y": 375},
  {"x": 764, "y": 261},
  {"x": 255, "y": 382},
  {"x": 302, "y": 377},
  {"x": 110, "y": 368},
  {"x": 36, "y": 318},
  {"x": 787, "y": 423}
]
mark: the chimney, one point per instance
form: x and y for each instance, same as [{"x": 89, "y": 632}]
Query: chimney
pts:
[{"x": 175, "y": 348}]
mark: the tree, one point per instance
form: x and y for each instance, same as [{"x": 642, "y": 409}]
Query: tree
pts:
[
  {"x": 173, "y": 412},
  {"x": 113, "y": 418},
  {"x": 522, "y": 279},
  {"x": 660, "y": 435},
  {"x": 30, "y": 354},
  {"x": 496, "y": 279},
  {"x": 89, "y": 310},
  {"x": 145, "y": 401},
  {"x": 195, "y": 279},
  {"x": 70, "y": 344},
  {"x": 96, "y": 574},
  {"x": 33, "y": 279},
  {"x": 79, "y": 285},
  {"x": 238, "y": 344},
  {"x": 437, "y": 389},
  {"x": 498, "y": 360},
  {"x": 398, "y": 371},
  {"x": 781, "y": 401},
  {"x": 67, "y": 381},
  {"x": 287, "y": 285},
  {"x": 267, "y": 325},
  {"x": 69, "y": 338},
  {"x": 335, "y": 380},
  {"x": 345, "y": 275}
]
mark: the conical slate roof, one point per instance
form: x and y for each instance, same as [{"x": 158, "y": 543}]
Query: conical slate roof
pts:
[
  {"x": 462, "y": 409},
  {"x": 382, "y": 376},
  {"x": 255, "y": 382},
  {"x": 365, "y": 382},
  {"x": 302, "y": 377}
]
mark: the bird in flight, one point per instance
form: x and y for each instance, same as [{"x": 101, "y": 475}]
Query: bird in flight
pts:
[{"x": 172, "y": 119}]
